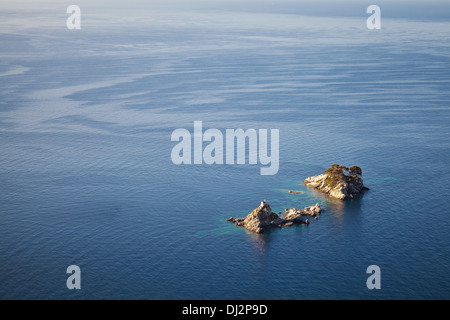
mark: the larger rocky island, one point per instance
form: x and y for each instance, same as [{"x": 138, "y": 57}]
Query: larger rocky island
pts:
[{"x": 339, "y": 182}]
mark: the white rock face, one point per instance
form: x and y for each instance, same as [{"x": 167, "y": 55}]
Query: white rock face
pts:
[
  {"x": 338, "y": 189},
  {"x": 296, "y": 214},
  {"x": 261, "y": 218}
]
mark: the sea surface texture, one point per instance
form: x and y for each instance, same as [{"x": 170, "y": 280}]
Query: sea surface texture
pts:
[{"x": 86, "y": 176}]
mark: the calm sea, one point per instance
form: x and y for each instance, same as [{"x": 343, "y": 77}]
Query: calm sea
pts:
[{"x": 86, "y": 176}]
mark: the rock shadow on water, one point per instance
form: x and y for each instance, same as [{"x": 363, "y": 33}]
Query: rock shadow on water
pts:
[
  {"x": 338, "y": 211},
  {"x": 337, "y": 206},
  {"x": 261, "y": 241}
]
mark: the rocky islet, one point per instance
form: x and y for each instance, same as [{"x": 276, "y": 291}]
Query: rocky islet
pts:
[
  {"x": 338, "y": 182},
  {"x": 263, "y": 218}
]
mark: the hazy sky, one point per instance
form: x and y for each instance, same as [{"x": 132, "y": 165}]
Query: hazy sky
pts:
[{"x": 409, "y": 9}]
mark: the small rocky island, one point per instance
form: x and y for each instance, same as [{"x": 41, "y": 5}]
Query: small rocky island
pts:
[
  {"x": 262, "y": 218},
  {"x": 339, "y": 182}
]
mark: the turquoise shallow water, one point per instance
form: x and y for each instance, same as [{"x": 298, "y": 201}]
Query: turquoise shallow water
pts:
[{"x": 86, "y": 176}]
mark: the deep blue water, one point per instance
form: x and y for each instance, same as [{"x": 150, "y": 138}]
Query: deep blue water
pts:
[{"x": 86, "y": 176}]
